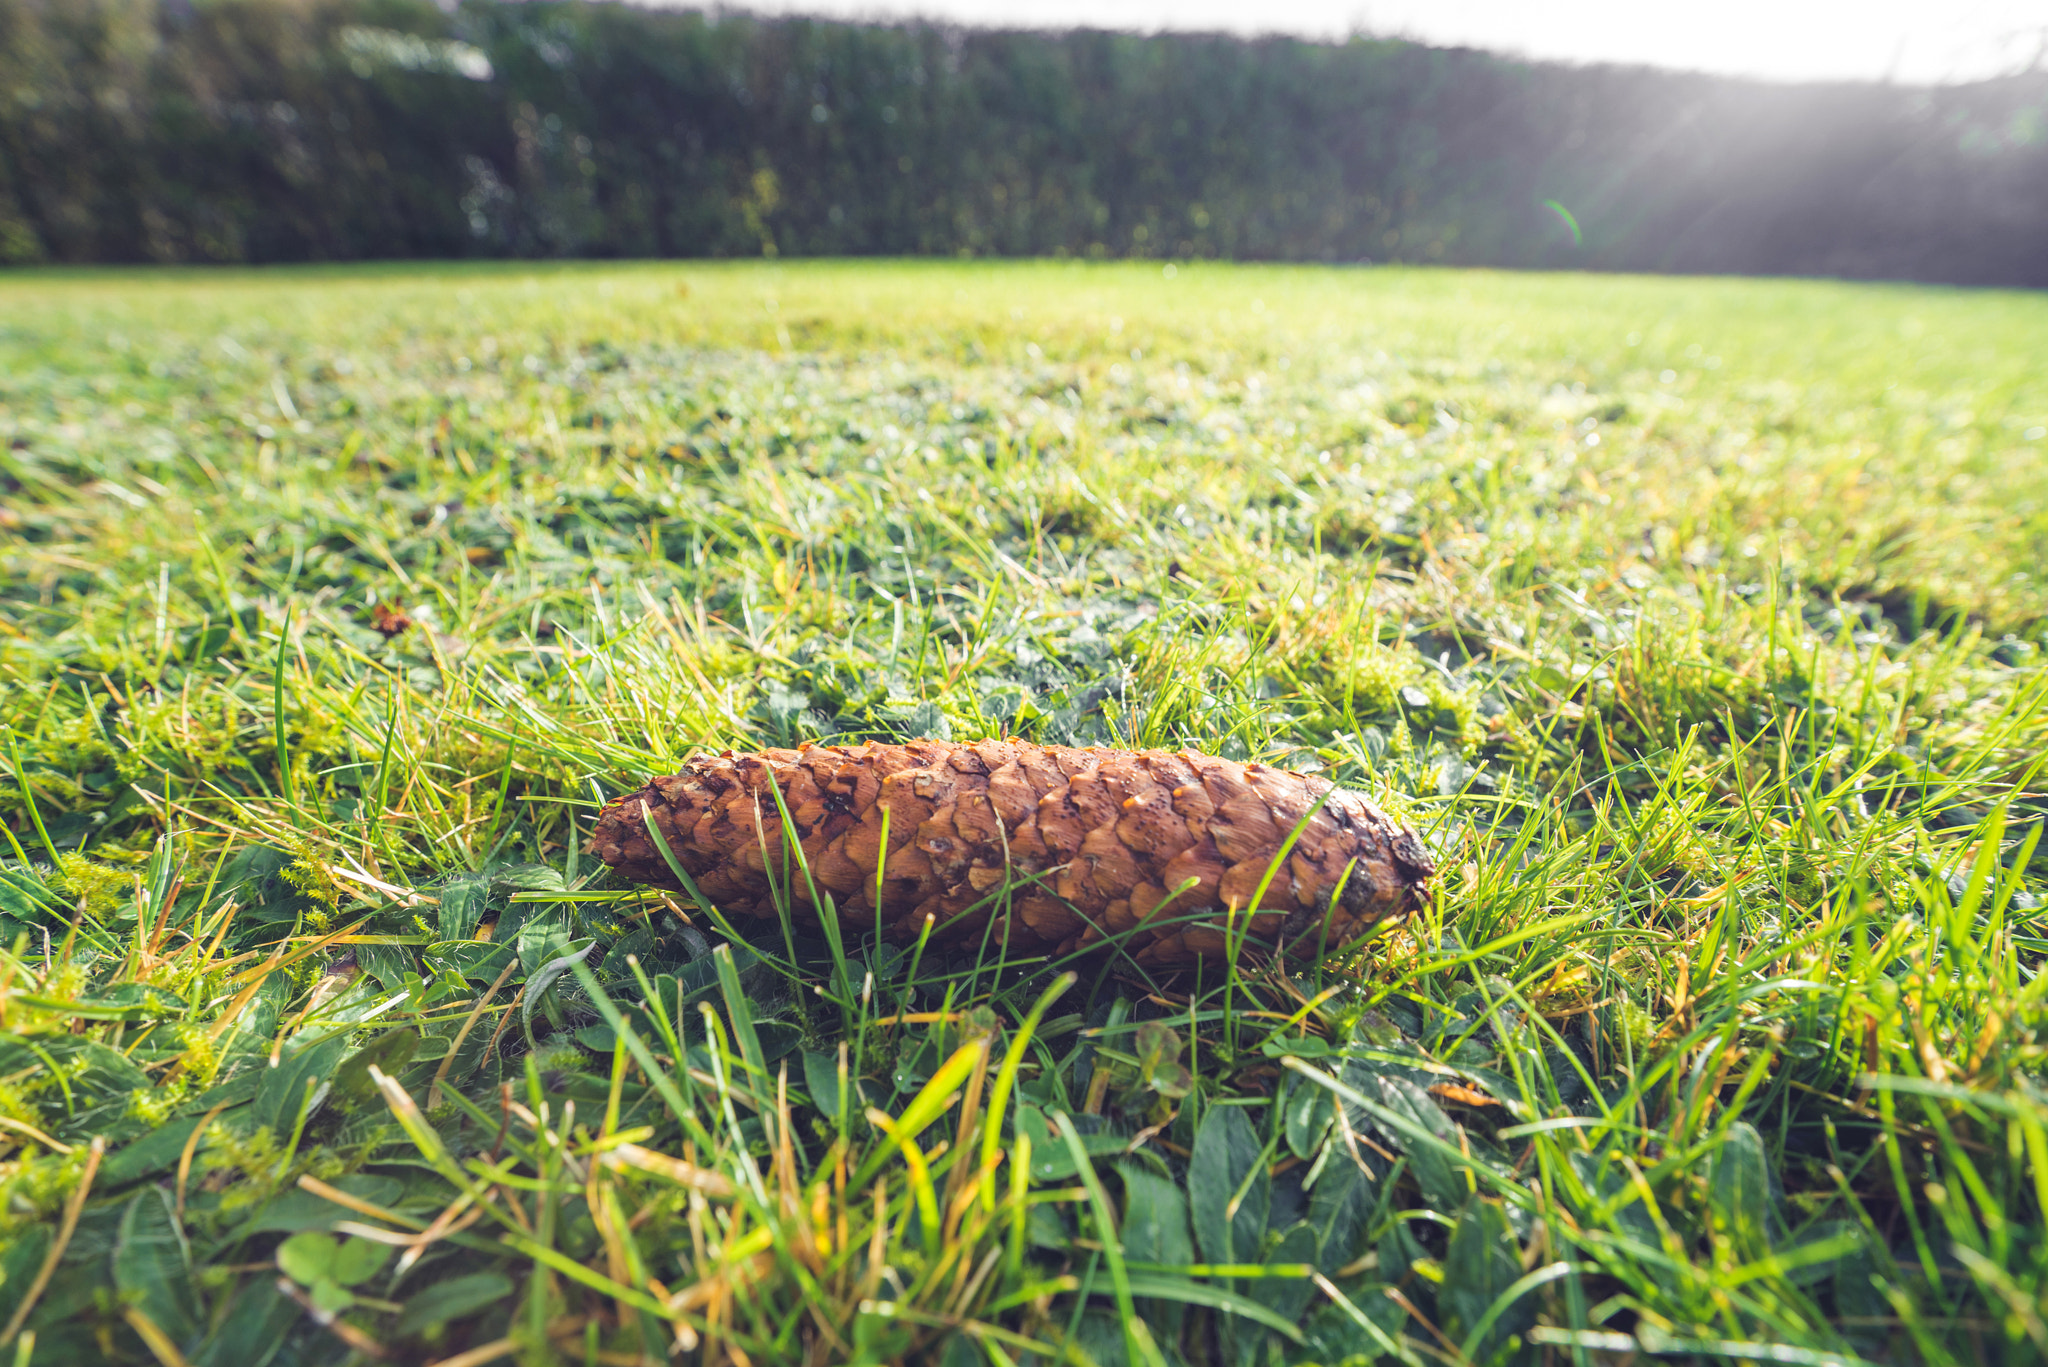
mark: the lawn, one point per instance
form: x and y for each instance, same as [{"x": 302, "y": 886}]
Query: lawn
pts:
[{"x": 1695, "y": 623}]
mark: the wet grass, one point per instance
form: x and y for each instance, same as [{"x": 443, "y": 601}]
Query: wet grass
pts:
[{"x": 1697, "y": 623}]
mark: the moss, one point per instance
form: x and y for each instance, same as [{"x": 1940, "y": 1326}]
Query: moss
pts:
[
  {"x": 154, "y": 1105},
  {"x": 106, "y": 893},
  {"x": 202, "y": 1057},
  {"x": 1669, "y": 841},
  {"x": 228, "y": 1154},
  {"x": 312, "y": 877},
  {"x": 1373, "y": 682}
]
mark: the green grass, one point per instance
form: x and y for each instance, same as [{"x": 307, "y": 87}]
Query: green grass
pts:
[{"x": 1697, "y": 623}]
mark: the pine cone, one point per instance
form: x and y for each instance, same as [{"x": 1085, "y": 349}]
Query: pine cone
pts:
[{"x": 1092, "y": 844}]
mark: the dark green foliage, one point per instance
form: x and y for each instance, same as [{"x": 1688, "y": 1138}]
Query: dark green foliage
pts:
[
  {"x": 1480, "y": 1267},
  {"x": 1229, "y": 1191},
  {"x": 298, "y": 1084},
  {"x": 153, "y": 1266},
  {"x": 328, "y": 1267},
  {"x": 452, "y": 1299},
  {"x": 294, "y": 130},
  {"x": 254, "y": 1330}
]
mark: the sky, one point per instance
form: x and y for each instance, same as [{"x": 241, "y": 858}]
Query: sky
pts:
[{"x": 1913, "y": 41}]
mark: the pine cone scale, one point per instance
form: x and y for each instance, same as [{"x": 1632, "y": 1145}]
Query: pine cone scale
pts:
[{"x": 1113, "y": 833}]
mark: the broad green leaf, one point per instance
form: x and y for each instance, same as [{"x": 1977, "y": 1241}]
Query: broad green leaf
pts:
[
  {"x": 236, "y": 1090},
  {"x": 23, "y": 896},
  {"x": 1173, "y": 1080},
  {"x": 1484, "y": 1260},
  {"x": 696, "y": 980},
  {"x": 389, "y": 1053},
  {"x": 451, "y": 1300},
  {"x": 914, "y": 1066},
  {"x": 1334, "y": 1337},
  {"x": 1191, "y": 1292},
  {"x": 99, "y": 1072},
  {"x": 1157, "y": 1044},
  {"x": 1050, "y": 1161},
  {"x": 960, "y": 1351},
  {"x": 1155, "y": 1229},
  {"x": 120, "y": 1002},
  {"x": 283, "y": 1089},
  {"x": 358, "y": 1260},
  {"x": 308, "y": 1257},
  {"x": 1229, "y": 1189},
  {"x": 356, "y": 1003},
  {"x": 1739, "y": 1187},
  {"x": 1049, "y": 1228},
  {"x": 1339, "y": 1208},
  {"x": 462, "y": 906},
  {"x": 821, "y": 1080},
  {"x": 779, "y": 1038},
  {"x": 1399, "y": 1251},
  {"x": 884, "y": 1338},
  {"x": 1308, "y": 1046},
  {"x": 1100, "y": 1340},
  {"x": 259, "y": 1022},
  {"x": 1618, "y": 1193},
  {"x": 1859, "y": 1289},
  {"x": 255, "y": 878},
  {"x": 153, "y": 1265},
  {"x": 1285, "y": 1297},
  {"x": 1308, "y": 1112},
  {"x": 1155, "y": 1221},
  {"x": 388, "y": 964},
  {"x": 331, "y": 1296},
  {"x": 155, "y": 1152},
  {"x": 1823, "y": 1248},
  {"x": 510, "y": 878},
  {"x": 674, "y": 996},
  {"x": 543, "y": 937},
  {"x": 294, "y": 1210},
  {"x": 83, "y": 1283},
  {"x": 256, "y": 1326},
  {"x": 571, "y": 953},
  {"x": 18, "y": 1264},
  {"x": 477, "y": 960},
  {"x": 1441, "y": 1177}
]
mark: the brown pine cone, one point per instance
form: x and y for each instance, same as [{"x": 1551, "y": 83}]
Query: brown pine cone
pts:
[{"x": 1113, "y": 832}]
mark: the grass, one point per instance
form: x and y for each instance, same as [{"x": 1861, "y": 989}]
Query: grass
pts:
[{"x": 1697, "y": 623}]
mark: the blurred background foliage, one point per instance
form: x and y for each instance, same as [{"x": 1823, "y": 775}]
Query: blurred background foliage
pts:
[{"x": 294, "y": 130}]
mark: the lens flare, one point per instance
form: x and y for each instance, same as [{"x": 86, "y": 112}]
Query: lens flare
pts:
[{"x": 1578, "y": 239}]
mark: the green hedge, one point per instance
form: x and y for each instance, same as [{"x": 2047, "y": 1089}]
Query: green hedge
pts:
[{"x": 293, "y": 130}]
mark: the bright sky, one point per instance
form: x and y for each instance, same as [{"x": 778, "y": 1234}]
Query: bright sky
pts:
[{"x": 1792, "y": 40}]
